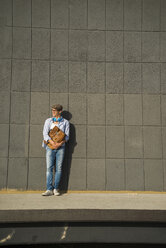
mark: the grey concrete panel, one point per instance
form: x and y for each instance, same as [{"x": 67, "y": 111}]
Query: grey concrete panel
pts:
[
  {"x": 6, "y": 42},
  {"x": 60, "y": 98},
  {"x": 133, "y": 142},
  {"x": 59, "y": 44},
  {"x": 150, "y": 46},
  {"x": 96, "y": 142},
  {"x": 114, "y": 142},
  {"x": 134, "y": 174},
  {"x": 133, "y": 109},
  {"x": 114, "y": 78},
  {"x": 22, "y": 43},
  {"x": 5, "y": 74},
  {"x": 115, "y": 177},
  {"x": 162, "y": 15},
  {"x": 20, "y": 106},
  {"x": 96, "y": 46},
  {"x": 5, "y": 12},
  {"x": 152, "y": 142},
  {"x": 164, "y": 141},
  {"x": 114, "y": 109},
  {"x": 96, "y": 77},
  {"x": 114, "y": 14},
  {"x": 153, "y": 174},
  {"x": 37, "y": 174},
  {"x": 96, "y": 14},
  {"x": 40, "y": 76},
  {"x": 39, "y": 107},
  {"x": 78, "y": 45},
  {"x": 79, "y": 150},
  {"x": 132, "y": 78},
  {"x": 17, "y": 173},
  {"x": 19, "y": 139},
  {"x": 59, "y": 76},
  {"x": 163, "y": 47},
  {"x": 151, "y": 78},
  {"x": 77, "y": 175},
  {"x": 95, "y": 174},
  {"x": 3, "y": 173},
  {"x": 4, "y": 136},
  {"x": 78, "y": 14},
  {"x": 151, "y": 110},
  {"x": 163, "y": 78},
  {"x": 151, "y": 15},
  {"x": 163, "y": 109},
  {"x": 40, "y": 43},
  {"x": 96, "y": 109},
  {"x": 77, "y": 77},
  {"x": 22, "y": 13},
  {"x": 4, "y": 106},
  {"x": 114, "y": 46},
  {"x": 59, "y": 13},
  {"x": 132, "y": 46},
  {"x": 21, "y": 74},
  {"x": 77, "y": 107},
  {"x": 36, "y": 138},
  {"x": 132, "y": 15},
  {"x": 41, "y": 13}
]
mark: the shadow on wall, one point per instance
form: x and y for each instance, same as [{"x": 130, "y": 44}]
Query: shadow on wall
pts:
[{"x": 70, "y": 145}]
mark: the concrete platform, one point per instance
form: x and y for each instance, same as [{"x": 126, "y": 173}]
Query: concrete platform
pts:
[{"x": 82, "y": 207}]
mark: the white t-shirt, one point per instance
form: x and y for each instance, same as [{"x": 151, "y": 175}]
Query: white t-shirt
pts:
[{"x": 53, "y": 125}]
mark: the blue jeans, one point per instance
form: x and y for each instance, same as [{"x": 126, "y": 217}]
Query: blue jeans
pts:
[{"x": 51, "y": 155}]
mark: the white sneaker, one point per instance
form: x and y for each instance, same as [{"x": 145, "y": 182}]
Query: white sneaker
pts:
[
  {"x": 56, "y": 192},
  {"x": 47, "y": 193}
]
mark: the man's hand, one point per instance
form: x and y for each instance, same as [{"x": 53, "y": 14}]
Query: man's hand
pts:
[{"x": 56, "y": 145}]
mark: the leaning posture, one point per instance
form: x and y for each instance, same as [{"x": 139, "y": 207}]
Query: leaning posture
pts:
[{"x": 55, "y": 150}]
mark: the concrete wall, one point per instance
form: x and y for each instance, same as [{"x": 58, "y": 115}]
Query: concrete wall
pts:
[{"x": 105, "y": 62}]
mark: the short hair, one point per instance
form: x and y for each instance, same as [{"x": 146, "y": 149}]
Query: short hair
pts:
[{"x": 58, "y": 107}]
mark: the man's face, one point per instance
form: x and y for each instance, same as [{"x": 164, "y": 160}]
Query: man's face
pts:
[{"x": 55, "y": 113}]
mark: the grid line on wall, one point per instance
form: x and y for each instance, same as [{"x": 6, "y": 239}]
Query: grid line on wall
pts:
[
  {"x": 27, "y": 186},
  {"x": 99, "y": 125},
  {"x": 161, "y": 126},
  {"x": 50, "y": 56},
  {"x": 73, "y": 60},
  {"x": 84, "y": 29},
  {"x": 124, "y": 128},
  {"x": 142, "y": 96},
  {"x": 146, "y": 94},
  {"x": 11, "y": 63},
  {"x": 75, "y": 157},
  {"x": 87, "y": 105},
  {"x": 68, "y": 86},
  {"x": 68, "y": 172},
  {"x": 105, "y": 102}
]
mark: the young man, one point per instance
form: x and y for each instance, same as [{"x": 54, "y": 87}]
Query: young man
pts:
[{"x": 59, "y": 149}]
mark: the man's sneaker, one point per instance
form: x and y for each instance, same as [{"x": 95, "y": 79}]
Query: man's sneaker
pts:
[
  {"x": 56, "y": 192},
  {"x": 47, "y": 193}
]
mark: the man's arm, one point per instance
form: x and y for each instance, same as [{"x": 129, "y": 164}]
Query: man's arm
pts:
[{"x": 46, "y": 131}]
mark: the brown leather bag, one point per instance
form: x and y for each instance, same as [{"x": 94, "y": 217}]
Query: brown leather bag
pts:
[{"x": 56, "y": 135}]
